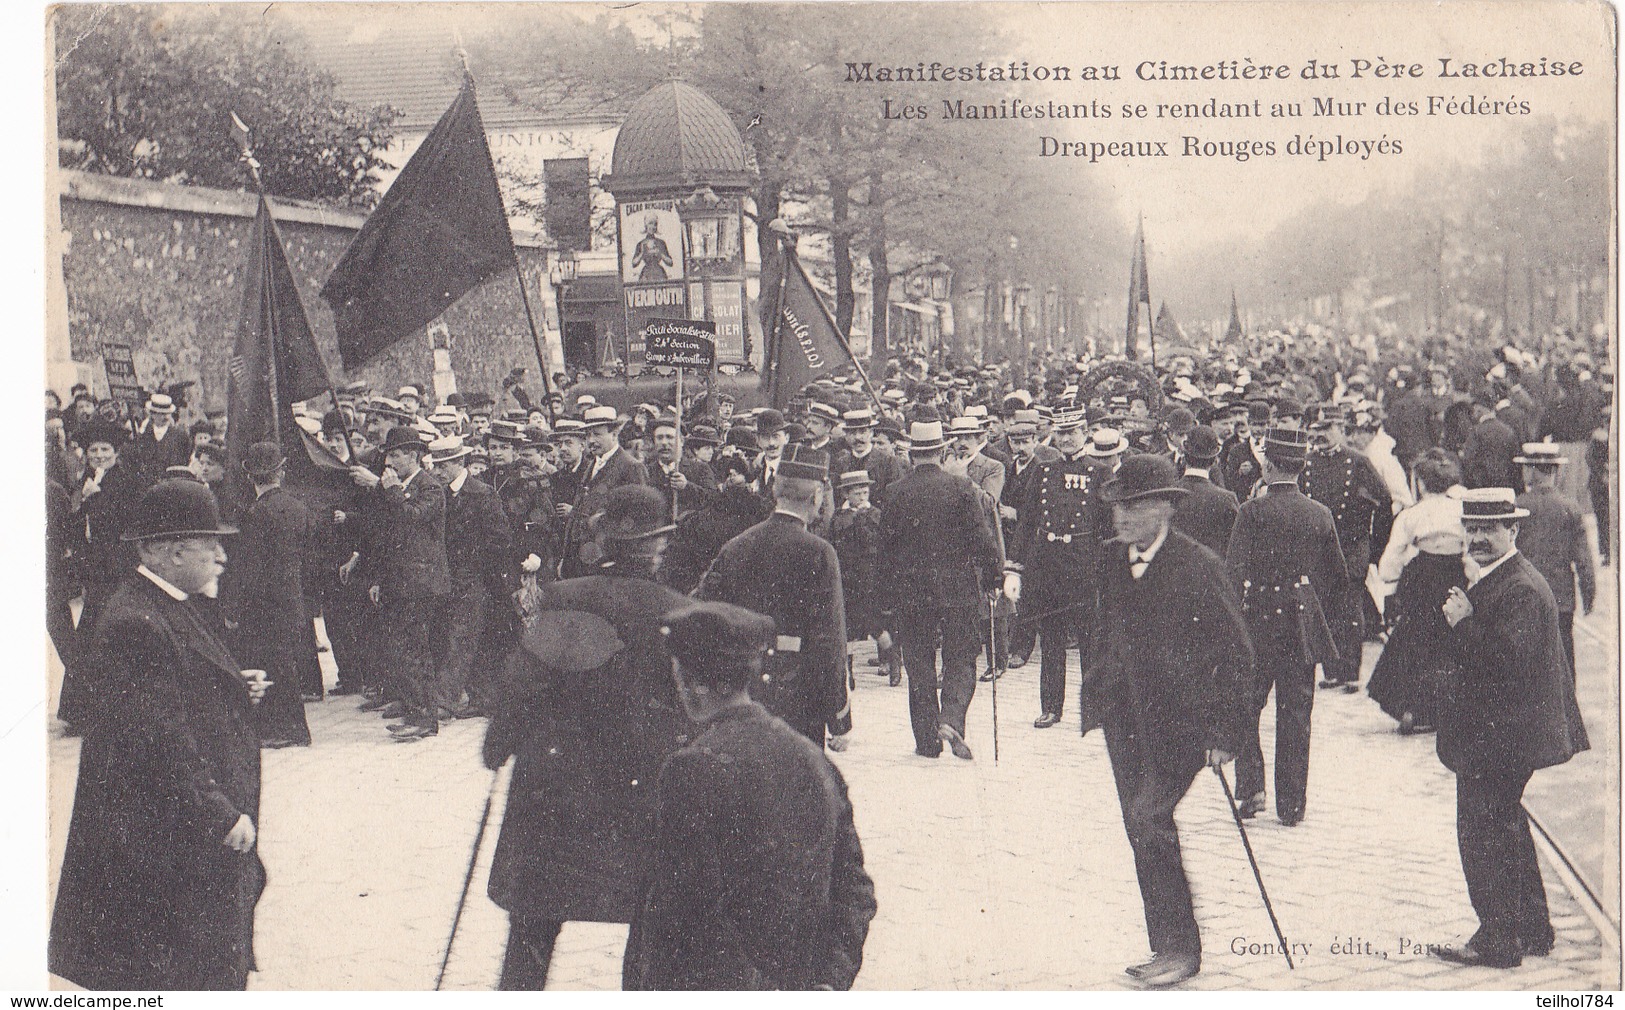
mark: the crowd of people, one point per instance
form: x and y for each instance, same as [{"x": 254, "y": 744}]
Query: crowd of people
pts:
[{"x": 1204, "y": 534}]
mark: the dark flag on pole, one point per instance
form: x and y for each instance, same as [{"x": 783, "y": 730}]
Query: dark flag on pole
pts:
[
  {"x": 438, "y": 232},
  {"x": 275, "y": 362},
  {"x": 1139, "y": 293},
  {"x": 805, "y": 344},
  {"x": 1234, "y": 332}
]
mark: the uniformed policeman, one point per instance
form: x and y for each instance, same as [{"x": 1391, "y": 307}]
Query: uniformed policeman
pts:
[
  {"x": 780, "y": 569},
  {"x": 1346, "y": 483},
  {"x": 1057, "y": 545},
  {"x": 1288, "y": 568}
]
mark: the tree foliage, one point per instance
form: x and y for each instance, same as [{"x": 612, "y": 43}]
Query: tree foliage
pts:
[{"x": 148, "y": 91}]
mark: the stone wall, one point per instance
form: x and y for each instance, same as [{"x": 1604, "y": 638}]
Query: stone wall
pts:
[{"x": 160, "y": 267}]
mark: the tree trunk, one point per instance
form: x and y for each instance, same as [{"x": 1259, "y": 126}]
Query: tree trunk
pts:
[
  {"x": 879, "y": 270},
  {"x": 840, "y": 239}
]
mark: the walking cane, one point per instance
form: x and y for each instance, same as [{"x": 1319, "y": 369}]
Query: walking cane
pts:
[
  {"x": 468, "y": 878},
  {"x": 1253, "y": 860},
  {"x": 998, "y": 668}
]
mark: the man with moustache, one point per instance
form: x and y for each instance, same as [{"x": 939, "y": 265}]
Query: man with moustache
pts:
[
  {"x": 161, "y": 875},
  {"x": 1507, "y": 711}
]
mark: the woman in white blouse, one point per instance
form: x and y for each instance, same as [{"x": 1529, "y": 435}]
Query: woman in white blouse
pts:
[{"x": 1425, "y": 557}]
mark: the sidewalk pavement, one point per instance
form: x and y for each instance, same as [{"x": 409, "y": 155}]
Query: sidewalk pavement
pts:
[{"x": 1015, "y": 875}]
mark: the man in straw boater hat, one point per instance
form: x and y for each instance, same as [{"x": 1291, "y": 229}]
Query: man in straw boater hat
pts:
[
  {"x": 1553, "y": 536},
  {"x": 161, "y": 443},
  {"x": 264, "y": 592},
  {"x": 161, "y": 875},
  {"x": 484, "y": 569},
  {"x": 779, "y": 568},
  {"x": 1174, "y": 666},
  {"x": 609, "y": 467},
  {"x": 1507, "y": 710},
  {"x": 1288, "y": 568},
  {"x": 861, "y": 453},
  {"x": 942, "y": 559},
  {"x": 757, "y": 878},
  {"x": 587, "y": 707},
  {"x": 408, "y": 579},
  {"x": 1057, "y": 547}
]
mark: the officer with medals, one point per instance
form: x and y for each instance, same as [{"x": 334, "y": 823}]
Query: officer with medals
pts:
[
  {"x": 1288, "y": 568},
  {"x": 1057, "y": 547},
  {"x": 1346, "y": 483}
]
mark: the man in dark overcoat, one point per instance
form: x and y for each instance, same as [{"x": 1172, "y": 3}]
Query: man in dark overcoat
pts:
[
  {"x": 408, "y": 580},
  {"x": 941, "y": 559},
  {"x": 264, "y": 595},
  {"x": 161, "y": 875},
  {"x": 610, "y": 467},
  {"x": 1021, "y": 434},
  {"x": 861, "y": 453},
  {"x": 780, "y": 569},
  {"x": 1507, "y": 710},
  {"x": 757, "y": 878},
  {"x": 1362, "y": 509},
  {"x": 1206, "y": 512},
  {"x": 587, "y": 706},
  {"x": 1288, "y": 569},
  {"x": 1174, "y": 690}
]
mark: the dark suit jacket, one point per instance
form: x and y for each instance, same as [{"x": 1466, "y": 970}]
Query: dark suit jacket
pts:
[
  {"x": 1509, "y": 706},
  {"x": 479, "y": 541},
  {"x": 1486, "y": 459},
  {"x": 1553, "y": 538},
  {"x": 149, "y": 897},
  {"x": 620, "y": 469},
  {"x": 700, "y": 535},
  {"x": 1177, "y": 659},
  {"x": 151, "y": 457},
  {"x": 702, "y": 483},
  {"x": 410, "y": 539},
  {"x": 102, "y": 519},
  {"x": 270, "y": 560},
  {"x": 779, "y": 569},
  {"x": 757, "y": 880},
  {"x": 589, "y": 738},
  {"x": 939, "y": 549},
  {"x": 1207, "y": 514},
  {"x": 882, "y": 465}
]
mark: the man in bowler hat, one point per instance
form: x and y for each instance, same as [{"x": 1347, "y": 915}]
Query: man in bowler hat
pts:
[
  {"x": 1174, "y": 667},
  {"x": 161, "y": 874}
]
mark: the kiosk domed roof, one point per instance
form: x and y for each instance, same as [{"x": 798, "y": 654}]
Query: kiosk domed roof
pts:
[{"x": 676, "y": 136}]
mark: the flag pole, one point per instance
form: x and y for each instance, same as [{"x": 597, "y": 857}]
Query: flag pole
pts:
[
  {"x": 770, "y": 359},
  {"x": 240, "y": 129},
  {"x": 518, "y": 270}
]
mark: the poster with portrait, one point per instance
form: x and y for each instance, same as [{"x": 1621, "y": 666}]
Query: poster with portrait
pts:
[{"x": 651, "y": 238}]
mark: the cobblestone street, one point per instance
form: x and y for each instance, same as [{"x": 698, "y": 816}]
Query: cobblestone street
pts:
[{"x": 1014, "y": 875}]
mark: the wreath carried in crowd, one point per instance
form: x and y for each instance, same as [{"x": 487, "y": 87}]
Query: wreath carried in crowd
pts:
[{"x": 1121, "y": 378}]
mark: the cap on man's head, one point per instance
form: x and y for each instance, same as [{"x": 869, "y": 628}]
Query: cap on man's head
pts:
[
  {"x": 718, "y": 645},
  {"x": 1286, "y": 445},
  {"x": 804, "y": 463}
]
